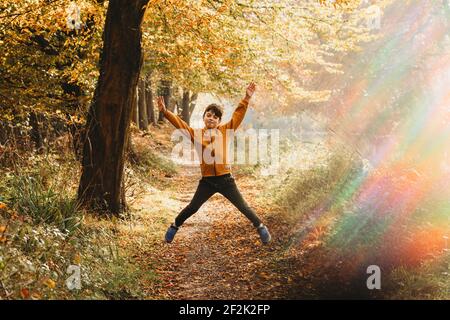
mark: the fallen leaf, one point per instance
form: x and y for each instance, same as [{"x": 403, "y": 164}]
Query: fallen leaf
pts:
[
  {"x": 25, "y": 293},
  {"x": 50, "y": 283},
  {"x": 35, "y": 296},
  {"x": 77, "y": 259}
]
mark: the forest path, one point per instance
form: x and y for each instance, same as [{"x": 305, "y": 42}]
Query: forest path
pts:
[{"x": 217, "y": 253}]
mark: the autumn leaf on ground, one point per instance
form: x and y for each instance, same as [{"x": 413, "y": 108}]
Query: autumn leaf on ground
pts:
[
  {"x": 77, "y": 259},
  {"x": 35, "y": 296},
  {"x": 50, "y": 283},
  {"x": 25, "y": 293}
]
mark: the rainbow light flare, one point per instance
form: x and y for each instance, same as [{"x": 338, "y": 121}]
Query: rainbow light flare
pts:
[{"x": 400, "y": 91}]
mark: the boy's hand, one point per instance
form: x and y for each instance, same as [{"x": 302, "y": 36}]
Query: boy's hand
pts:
[
  {"x": 250, "y": 90},
  {"x": 161, "y": 105}
]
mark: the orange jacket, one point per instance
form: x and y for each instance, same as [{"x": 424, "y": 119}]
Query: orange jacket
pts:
[{"x": 214, "y": 155}]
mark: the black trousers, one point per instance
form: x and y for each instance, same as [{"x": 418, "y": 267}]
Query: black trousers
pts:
[{"x": 207, "y": 187}]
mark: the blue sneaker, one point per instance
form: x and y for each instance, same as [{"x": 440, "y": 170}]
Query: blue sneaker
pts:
[
  {"x": 170, "y": 234},
  {"x": 264, "y": 234}
]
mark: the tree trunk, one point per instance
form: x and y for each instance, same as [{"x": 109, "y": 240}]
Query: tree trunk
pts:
[
  {"x": 143, "y": 119},
  {"x": 77, "y": 135},
  {"x": 35, "y": 132},
  {"x": 165, "y": 92},
  {"x": 185, "y": 114},
  {"x": 101, "y": 184},
  {"x": 192, "y": 102},
  {"x": 134, "y": 111},
  {"x": 170, "y": 102},
  {"x": 149, "y": 99}
]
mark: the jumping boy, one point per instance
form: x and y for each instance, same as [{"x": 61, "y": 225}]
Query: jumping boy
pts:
[{"x": 216, "y": 175}]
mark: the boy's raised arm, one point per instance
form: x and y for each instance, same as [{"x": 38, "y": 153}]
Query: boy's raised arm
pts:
[
  {"x": 239, "y": 113},
  {"x": 173, "y": 118}
]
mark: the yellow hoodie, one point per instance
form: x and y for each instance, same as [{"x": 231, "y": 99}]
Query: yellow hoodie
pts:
[{"x": 214, "y": 155}]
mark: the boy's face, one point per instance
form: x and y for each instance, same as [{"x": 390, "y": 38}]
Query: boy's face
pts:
[{"x": 211, "y": 120}]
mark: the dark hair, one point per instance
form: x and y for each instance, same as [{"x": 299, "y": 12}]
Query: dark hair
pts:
[{"x": 214, "y": 108}]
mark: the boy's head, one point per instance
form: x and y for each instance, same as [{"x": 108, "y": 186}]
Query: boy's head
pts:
[{"x": 212, "y": 115}]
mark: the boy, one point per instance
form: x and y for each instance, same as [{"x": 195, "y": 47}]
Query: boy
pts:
[{"x": 216, "y": 175}]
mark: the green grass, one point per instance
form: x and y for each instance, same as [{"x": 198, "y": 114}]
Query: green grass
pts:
[
  {"x": 146, "y": 160},
  {"x": 30, "y": 197},
  {"x": 44, "y": 232},
  {"x": 300, "y": 191},
  {"x": 429, "y": 281},
  {"x": 352, "y": 231}
]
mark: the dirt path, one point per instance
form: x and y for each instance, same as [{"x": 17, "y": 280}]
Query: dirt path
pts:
[{"x": 217, "y": 253}]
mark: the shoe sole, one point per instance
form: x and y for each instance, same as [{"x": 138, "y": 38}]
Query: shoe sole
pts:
[{"x": 268, "y": 241}]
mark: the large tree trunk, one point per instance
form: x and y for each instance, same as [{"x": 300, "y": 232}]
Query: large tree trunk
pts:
[
  {"x": 149, "y": 99},
  {"x": 187, "y": 104},
  {"x": 143, "y": 120},
  {"x": 101, "y": 183}
]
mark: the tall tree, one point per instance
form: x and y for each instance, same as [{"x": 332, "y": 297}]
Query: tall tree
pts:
[
  {"x": 142, "y": 100},
  {"x": 187, "y": 104},
  {"x": 101, "y": 183},
  {"x": 134, "y": 111},
  {"x": 149, "y": 100}
]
